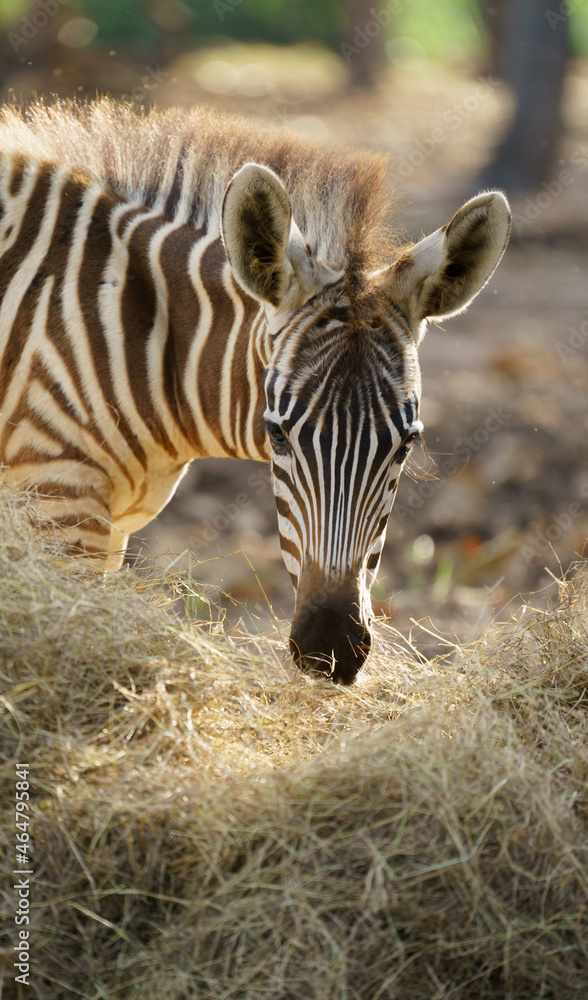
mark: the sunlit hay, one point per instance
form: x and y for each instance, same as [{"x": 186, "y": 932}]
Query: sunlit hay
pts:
[
  {"x": 208, "y": 822},
  {"x": 538, "y": 676}
]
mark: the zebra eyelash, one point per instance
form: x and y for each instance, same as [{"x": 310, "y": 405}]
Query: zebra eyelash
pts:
[
  {"x": 277, "y": 436},
  {"x": 406, "y": 447}
]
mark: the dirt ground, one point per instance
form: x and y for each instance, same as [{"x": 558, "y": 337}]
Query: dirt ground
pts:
[{"x": 497, "y": 501}]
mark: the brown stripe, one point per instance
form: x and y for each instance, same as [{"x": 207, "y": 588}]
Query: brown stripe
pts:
[
  {"x": 18, "y": 173},
  {"x": 241, "y": 390},
  {"x": 126, "y": 219},
  {"x": 61, "y": 491},
  {"x": 382, "y": 525},
  {"x": 31, "y": 452},
  {"x": 287, "y": 545},
  {"x": 86, "y": 522},
  {"x": 213, "y": 353},
  {"x": 81, "y": 548},
  {"x": 184, "y": 314},
  {"x": 138, "y": 311},
  {"x": 306, "y": 514},
  {"x": 70, "y": 450},
  {"x": 97, "y": 249},
  {"x": 55, "y": 264},
  {"x": 14, "y": 346},
  {"x": 259, "y": 431},
  {"x": 29, "y": 230}
]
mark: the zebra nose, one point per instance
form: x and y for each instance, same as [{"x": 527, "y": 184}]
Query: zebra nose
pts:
[{"x": 332, "y": 642}]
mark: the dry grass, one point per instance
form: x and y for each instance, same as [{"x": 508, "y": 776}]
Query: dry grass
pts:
[{"x": 208, "y": 823}]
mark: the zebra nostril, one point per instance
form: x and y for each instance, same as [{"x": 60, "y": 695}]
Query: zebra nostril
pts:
[
  {"x": 314, "y": 663},
  {"x": 331, "y": 644}
]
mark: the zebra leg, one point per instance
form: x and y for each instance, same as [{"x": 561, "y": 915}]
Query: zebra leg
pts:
[
  {"x": 118, "y": 542},
  {"x": 71, "y": 506},
  {"x": 80, "y": 524}
]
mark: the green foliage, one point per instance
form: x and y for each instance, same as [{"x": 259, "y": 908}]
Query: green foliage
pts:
[
  {"x": 128, "y": 22},
  {"x": 444, "y": 30},
  {"x": 441, "y": 30},
  {"x": 278, "y": 21},
  {"x": 11, "y": 11},
  {"x": 579, "y": 29}
]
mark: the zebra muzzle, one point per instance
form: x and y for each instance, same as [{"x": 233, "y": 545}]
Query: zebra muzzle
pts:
[{"x": 329, "y": 637}]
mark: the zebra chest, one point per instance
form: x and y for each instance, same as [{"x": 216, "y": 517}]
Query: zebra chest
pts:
[{"x": 133, "y": 508}]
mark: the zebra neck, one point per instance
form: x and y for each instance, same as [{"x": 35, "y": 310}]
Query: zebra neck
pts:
[{"x": 217, "y": 344}]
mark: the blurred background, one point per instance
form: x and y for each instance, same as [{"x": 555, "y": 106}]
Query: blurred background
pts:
[{"x": 463, "y": 95}]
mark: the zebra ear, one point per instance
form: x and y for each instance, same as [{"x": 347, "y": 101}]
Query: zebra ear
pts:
[
  {"x": 255, "y": 227},
  {"x": 441, "y": 274}
]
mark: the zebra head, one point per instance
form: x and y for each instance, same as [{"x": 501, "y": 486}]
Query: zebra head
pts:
[{"x": 342, "y": 388}]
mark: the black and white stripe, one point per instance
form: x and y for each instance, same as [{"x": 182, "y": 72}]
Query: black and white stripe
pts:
[
  {"x": 165, "y": 295},
  {"x": 345, "y": 441}
]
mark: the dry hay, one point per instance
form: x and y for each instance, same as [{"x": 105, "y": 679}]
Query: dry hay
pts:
[{"x": 208, "y": 823}]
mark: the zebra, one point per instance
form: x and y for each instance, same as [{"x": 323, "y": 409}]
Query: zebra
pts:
[{"x": 182, "y": 284}]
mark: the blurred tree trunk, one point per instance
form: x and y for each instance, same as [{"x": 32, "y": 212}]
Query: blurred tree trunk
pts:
[
  {"x": 530, "y": 48},
  {"x": 363, "y": 45}
]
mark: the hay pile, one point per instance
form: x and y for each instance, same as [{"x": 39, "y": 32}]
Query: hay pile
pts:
[{"x": 208, "y": 823}]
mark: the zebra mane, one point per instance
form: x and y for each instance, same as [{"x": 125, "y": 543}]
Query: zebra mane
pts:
[{"x": 180, "y": 161}]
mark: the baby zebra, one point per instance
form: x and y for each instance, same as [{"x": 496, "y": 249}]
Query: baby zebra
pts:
[{"x": 178, "y": 285}]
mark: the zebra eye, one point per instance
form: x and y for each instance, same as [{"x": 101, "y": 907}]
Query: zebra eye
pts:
[
  {"x": 406, "y": 447},
  {"x": 277, "y": 437}
]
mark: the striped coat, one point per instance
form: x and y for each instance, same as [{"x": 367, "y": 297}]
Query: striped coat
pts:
[{"x": 181, "y": 285}]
